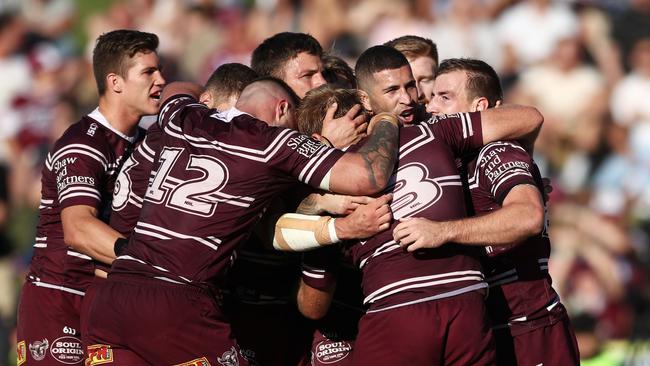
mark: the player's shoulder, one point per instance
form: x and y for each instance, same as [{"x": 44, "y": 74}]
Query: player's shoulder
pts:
[{"x": 86, "y": 131}]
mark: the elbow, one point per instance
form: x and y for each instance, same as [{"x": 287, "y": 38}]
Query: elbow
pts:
[
  {"x": 310, "y": 313},
  {"x": 535, "y": 221},
  {"x": 537, "y": 118},
  {"x": 72, "y": 238}
]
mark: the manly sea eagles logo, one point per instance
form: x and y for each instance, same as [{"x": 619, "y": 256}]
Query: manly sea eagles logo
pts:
[
  {"x": 229, "y": 358},
  {"x": 38, "y": 349}
]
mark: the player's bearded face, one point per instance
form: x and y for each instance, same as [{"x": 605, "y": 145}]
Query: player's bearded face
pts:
[
  {"x": 303, "y": 73},
  {"x": 144, "y": 83},
  {"x": 394, "y": 91},
  {"x": 450, "y": 94}
]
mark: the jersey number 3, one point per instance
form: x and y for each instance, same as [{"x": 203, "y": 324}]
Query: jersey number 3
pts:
[{"x": 195, "y": 196}]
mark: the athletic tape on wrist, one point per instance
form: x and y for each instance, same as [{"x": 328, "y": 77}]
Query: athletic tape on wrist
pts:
[{"x": 299, "y": 233}]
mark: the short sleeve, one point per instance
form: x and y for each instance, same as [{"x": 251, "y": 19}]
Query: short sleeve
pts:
[
  {"x": 320, "y": 267},
  {"x": 462, "y": 132},
  {"x": 80, "y": 171},
  {"x": 503, "y": 165}
]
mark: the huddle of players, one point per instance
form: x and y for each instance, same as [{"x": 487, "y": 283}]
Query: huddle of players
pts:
[{"x": 190, "y": 192}]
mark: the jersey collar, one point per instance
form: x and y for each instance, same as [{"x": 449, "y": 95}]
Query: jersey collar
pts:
[{"x": 99, "y": 117}]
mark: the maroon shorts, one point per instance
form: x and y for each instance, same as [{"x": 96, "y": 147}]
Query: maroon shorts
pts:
[
  {"x": 326, "y": 351},
  {"x": 135, "y": 321},
  {"x": 553, "y": 344},
  {"x": 88, "y": 299},
  {"x": 451, "y": 331},
  {"x": 270, "y": 334},
  {"x": 48, "y": 327}
]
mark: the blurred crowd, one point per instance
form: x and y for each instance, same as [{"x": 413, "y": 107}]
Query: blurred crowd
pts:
[{"x": 584, "y": 63}]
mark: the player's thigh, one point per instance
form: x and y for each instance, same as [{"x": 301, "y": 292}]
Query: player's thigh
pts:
[
  {"x": 408, "y": 335},
  {"x": 469, "y": 339},
  {"x": 164, "y": 324},
  {"x": 48, "y": 327}
]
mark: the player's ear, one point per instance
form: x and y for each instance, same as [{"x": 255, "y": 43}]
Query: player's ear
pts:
[
  {"x": 114, "y": 82},
  {"x": 206, "y": 98},
  {"x": 365, "y": 100},
  {"x": 481, "y": 104}
]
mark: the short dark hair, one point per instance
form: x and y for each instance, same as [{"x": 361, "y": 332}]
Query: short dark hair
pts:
[
  {"x": 482, "y": 80},
  {"x": 114, "y": 50},
  {"x": 230, "y": 79},
  {"x": 314, "y": 106},
  {"x": 270, "y": 57},
  {"x": 415, "y": 46},
  {"x": 337, "y": 72},
  {"x": 295, "y": 99},
  {"x": 376, "y": 59}
]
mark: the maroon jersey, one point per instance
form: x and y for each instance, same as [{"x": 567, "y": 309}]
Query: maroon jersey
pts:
[
  {"x": 212, "y": 180},
  {"x": 132, "y": 182},
  {"x": 80, "y": 170},
  {"x": 426, "y": 184},
  {"x": 520, "y": 286}
]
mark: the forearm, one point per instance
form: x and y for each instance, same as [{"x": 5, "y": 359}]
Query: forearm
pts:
[
  {"x": 92, "y": 237},
  {"x": 310, "y": 205},
  {"x": 508, "y": 225},
  {"x": 314, "y": 303}
]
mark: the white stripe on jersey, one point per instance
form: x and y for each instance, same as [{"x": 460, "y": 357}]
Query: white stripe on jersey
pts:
[
  {"x": 251, "y": 154},
  {"x": 146, "y": 151},
  {"x": 130, "y": 258},
  {"x": 423, "y": 281},
  {"x": 78, "y": 149},
  {"x": 58, "y": 287},
  {"x": 134, "y": 202},
  {"x": 468, "y": 130},
  {"x": 505, "y": 281},
  {"x": 313, "y": 164},
  {"x": 78, "y": 255},
  {"x": 170, "y": 103},
  {"x": 443, "y": 295},
  {"x": 211, "y": 241},
  {"x": 384, "y": 248},
  {"x": 313, "y": 275},
  {"x": 40, "y": 245},
  {"x": 242, "y": 201},
  {"x": 80, "y": 194},
  {"x": 501, "y": 275},
  {"x": 417, "y": 142},
  {"x": 504, "y": 178}
]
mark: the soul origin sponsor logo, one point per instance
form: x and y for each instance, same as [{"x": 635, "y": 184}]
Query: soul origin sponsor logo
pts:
[
  {"x": 330, "y": 352},
  {"x": 67, "y": 350},
  {"x": 99, "y": 354},
  {"x": 21, "y": 353},
  {"x": 197, "y": 362}
]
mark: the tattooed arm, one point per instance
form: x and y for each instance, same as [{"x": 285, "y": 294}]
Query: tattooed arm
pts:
[{"x": 368, "y": 170}]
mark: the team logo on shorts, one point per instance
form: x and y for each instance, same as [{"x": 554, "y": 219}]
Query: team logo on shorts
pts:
[
  {"x": 38, "y": 349},
  {"x": 229, "y": 358},
  {"x": 67, "y": 350},
  {"x": 330, "y": 352},
  {"x": 99, "y": 354},
  {"x": 21, "y": 353},
  {"x": 197, "y": 362}
]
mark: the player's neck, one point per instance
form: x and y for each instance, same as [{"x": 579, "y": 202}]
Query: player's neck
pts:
[{"x": 119, "y": 115}]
